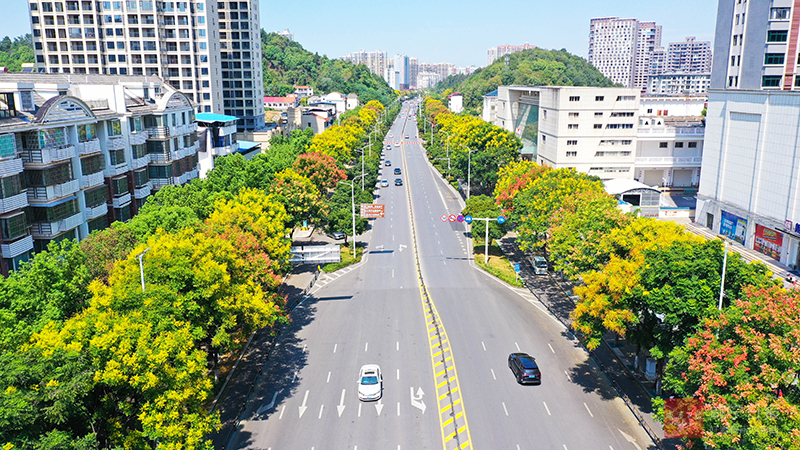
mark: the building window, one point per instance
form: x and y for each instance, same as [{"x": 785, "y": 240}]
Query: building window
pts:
[
  {"x": 679, "y": 145},
  {"x": 770, "y": 81},
  {"x": 773, "y": 58},
  {"x": 572, "y": 126},
  {"x": 779, "y": 13},
  {"x": 663, "y": 145},
  {"x": 626, "y": 98},
  {"x": 114, "y": 128},
  {"x": 598, "y": 114},
  {"x": 14, "y": 226},
  {"x": 692, "y": 144},
  {"x": 575, "y": 98},
  {"x": 117, "y": 157},
  {"x": 573, "y": 114},
  {"x": 621, "y": 114},
  {"x": 599, "y": 98},
  {"x": 572, "y": 154},
  {"x": 598, "y": 126},
  {"x": 119, "y": 186},
  {"x": 777, "y": 35},
  {"x": 572, "y": 142},
  {"x": 92, "y": 164}
]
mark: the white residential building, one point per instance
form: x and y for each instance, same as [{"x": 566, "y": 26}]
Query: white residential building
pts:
[
  {"x": 623, "y": 49},
  {"x": 498, "y": 52},
  {"x": 677, "y": 83},
  {"x": 286, "y": 33},
  {"x": 376, "y": 61},
  {"x": 209, "y": 50},
  {"x": 77, "y": 153},
  {"x": 455, "y": 102},
  {"x": 689, "y": 56}
]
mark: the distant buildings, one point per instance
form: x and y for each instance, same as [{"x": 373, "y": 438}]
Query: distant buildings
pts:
[
  {"x": 498, "y": 52},
  {"x": 286, "y": 33},
  {"x": 689, "y": 56},
  {"x": 677, "y": 83},
  {"x": 376, "y": 61},
  {"x": 455, "y": 102}
]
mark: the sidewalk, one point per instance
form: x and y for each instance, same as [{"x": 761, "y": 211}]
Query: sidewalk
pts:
[{"x": 616, "y": 361}]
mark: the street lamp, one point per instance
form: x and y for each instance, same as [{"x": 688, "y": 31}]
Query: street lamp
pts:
[
  {"x": 448, "y": 153},
  {"x": 469, "y": 167},
  {"x": 141, "y": 266},
  {"x": 353, "y": 205},
  {"x": 362, "y": 167}
]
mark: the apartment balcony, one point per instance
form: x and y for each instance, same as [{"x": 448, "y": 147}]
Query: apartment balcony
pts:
[
  {"x": 182, "y": 179},
  {"x": 225, "y": 150},
  {"x": 16, "y": 248},
  {"x": 117, "y": 169},
  {"x": 88, "y": 147},
  {"x": 162, "y": 158},
  {"x": 187, "y": 151},
  {"x": 49, "y": 230},
  {"x": 157, "y": 132},
  {"x": 10, "y": 167},
  {"x": 183, "y": 129},
  {"x": 138, "y": 138},
  {"x": 122, "y": 200},
  {"x": 138, "y": 163},
  {"x": 143, "y": 191},
  {"x": 47, "y": 156},
  {"x": 94, "y": 213},
  {"x": 14, "y": 202},
  {"x": 670, "y": 132},
  {"x": 192, "y": 174},
  {"x": 55, "y": 191},
  {"x": 92, "y": 180},
  {"x": 669, "y": 161},
  {"x": 115, "y": 143},
  {"x": 158, "y": 183}
]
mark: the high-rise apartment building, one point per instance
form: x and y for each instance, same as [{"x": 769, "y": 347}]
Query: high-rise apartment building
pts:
[
  {"x": 498, "y": 52},
  {"x": 413, "y": 72},
  {"x": 755, "y": 46},
  {"x": 376, "y": 61},
  {"x": 181, "y": 42},
  {"x": 622, "y": 49},
  {"x": 444, "y": 70},
  {"x": 401, "y": 70},
  {"x": 689, "y": 56}
]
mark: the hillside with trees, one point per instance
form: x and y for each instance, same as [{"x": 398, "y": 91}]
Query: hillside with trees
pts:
[
  {"x": 286, "y": 63},
  {"x": 535, "y": 67},
  {"x": 14, "y": 53}
]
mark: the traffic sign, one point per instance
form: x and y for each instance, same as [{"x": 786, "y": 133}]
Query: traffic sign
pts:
[
  {"x": 372, "y": 210},
  {"x": 444, "y": 217},
  {"x": 460, "y": 218},
  {"x": 468, "y": 218},
  {"x": 452, "y": 218},
  {"x": 501, "y": 219},
  {"x": 516, "y": 267}
]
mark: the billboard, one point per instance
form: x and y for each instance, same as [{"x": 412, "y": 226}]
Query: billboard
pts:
[
  {"x": 372, "y": 211},
  {"x": 733, "y": 226},
  {"x": 768, "y": 242}
]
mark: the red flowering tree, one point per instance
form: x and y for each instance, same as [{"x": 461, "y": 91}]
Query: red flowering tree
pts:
[
  {"x": 321, "y": 169},
  {"x": 743, "y": 366},
  {"x": 512, "y": 178}
]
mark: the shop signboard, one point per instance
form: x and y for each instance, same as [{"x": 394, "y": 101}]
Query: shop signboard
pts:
[
  {"x": 768, "y": 242},
  {"x": 733, "y": 226}
]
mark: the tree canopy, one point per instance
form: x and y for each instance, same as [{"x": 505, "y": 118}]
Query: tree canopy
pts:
[{"x": 14, "y": 53}]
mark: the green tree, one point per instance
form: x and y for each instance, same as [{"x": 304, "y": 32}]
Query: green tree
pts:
[
  {"x": 300, "y": 197},
  {"x": 320, "y": 169},
  {"x": 742, "y": 366},
  {"x": 483, "y": 206}
]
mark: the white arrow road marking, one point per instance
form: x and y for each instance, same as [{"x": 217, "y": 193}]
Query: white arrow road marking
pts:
[
  {"x": 416, "y": 401},
  {"x": 402, "y": 247},
  {"x": 379, "y": 407},
  {"x": 340, "y": 406},
  {"x": 380, "y": 247},
  {"x": 269, "y": 405},
  {"x": 629, "y": 438},
  {"x": 303, "y": 407}
]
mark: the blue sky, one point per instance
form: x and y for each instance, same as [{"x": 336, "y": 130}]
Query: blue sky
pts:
[{"x": 448, "y": 30}]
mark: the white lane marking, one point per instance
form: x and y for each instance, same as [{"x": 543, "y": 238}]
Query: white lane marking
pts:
[
  {"x": 366, "y": 346},
  {"x": 504, "y": 407},
  {"x": 398, "y": 408},
  {"x": 334, "y": 348},
  {"x": 359, "y": 410},
  {"x": 565, "y": 447},
  {"x": 397, "y": 347},
  {"x": 398, "y": 374},
  {"x": 320, "y": 411},
  {"x": 483, "y": 345},
  {"x": 392, "y": 273},
  {"x": 587, "y": 409},
  {"x": 329, "y": 377},
  {"x": 493, "y": 374},
  {"x": 568, "y": 377},
  {"x": 548, "y": 409},
  {"x": 551, "y": 347},
  {"x": 282, "y": 410},
  {"x": 517, "y": 446},
  {"x": 517, "y": 347}
]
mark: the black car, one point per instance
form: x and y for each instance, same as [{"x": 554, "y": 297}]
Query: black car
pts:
[
  {"x": 524, "y": 368},
  {"x": 398, "y": 181},
  {"x": 397, "y": 171}
]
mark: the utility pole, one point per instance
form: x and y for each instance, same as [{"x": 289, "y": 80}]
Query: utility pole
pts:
[
  {"x": 469, "y": 168},
  {"x": 499, "y": 219},
  {"x": 141, "y": 266}
]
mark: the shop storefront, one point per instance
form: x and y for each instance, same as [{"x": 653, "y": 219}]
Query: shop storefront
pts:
[
  {"x": 768, "y": 242},
  {"x": 733, "y": 226}
]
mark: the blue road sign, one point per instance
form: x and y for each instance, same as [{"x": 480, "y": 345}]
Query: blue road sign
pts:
[
  {"x": 468, "y": 219},
  {"x": 501, "y": 219},
  {"x": 460, "y": 218},
  {"x": 516, "y": 267}
]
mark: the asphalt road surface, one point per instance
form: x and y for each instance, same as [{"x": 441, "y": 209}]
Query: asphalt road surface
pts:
[{"x": 307, "y": 395}]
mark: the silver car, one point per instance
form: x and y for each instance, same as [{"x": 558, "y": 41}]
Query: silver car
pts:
[{"x": 370, "y": 383}]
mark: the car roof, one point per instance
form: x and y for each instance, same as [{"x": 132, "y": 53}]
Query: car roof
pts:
[{"x": 528, "y": 361}]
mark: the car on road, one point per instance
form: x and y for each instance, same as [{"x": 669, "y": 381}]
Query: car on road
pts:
[
  {"x": 384, "y": 183},
  {"x": 387, "y": 163},
  {"x": 398, "y": 181},
  {"x": 338, "y": 235},
  {"x": 406, "y": 136},
  {"x": 388, "y": 146},
  {"x": 524, "y": 368},
  {"x": 397, "y": 144},
  {"x": 370, "y": 383},
  {"x": 397, "y": 171},
  {"x": 539, "y": 265}
]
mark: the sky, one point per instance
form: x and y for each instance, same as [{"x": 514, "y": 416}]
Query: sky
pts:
[{"x": 455, "y": 31}]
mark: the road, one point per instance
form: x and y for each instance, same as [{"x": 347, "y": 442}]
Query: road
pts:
[{"x": 307, "y": 396}]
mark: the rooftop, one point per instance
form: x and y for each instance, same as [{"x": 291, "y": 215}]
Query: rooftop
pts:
[{"x": 210, "y": 117}]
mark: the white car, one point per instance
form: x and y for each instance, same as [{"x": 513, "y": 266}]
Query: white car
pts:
[
  {"x": 384, "y": 183},
  {"x": 370, "y": 383}
]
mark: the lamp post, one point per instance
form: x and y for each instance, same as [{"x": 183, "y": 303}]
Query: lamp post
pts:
[
  {"x": 353, "y": 206},
  {"x": 469, "y": 168},
  {"x": 362, "y": 167},
  {"x": 141, "y": 266},
  {"x": 448, "y": 153}
]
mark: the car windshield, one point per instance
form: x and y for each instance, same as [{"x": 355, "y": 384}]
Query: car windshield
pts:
[
  {"x": 371, "y": 379},
  {"x": 527, "y": 363},
  {"x": 541, "y": 263}
]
